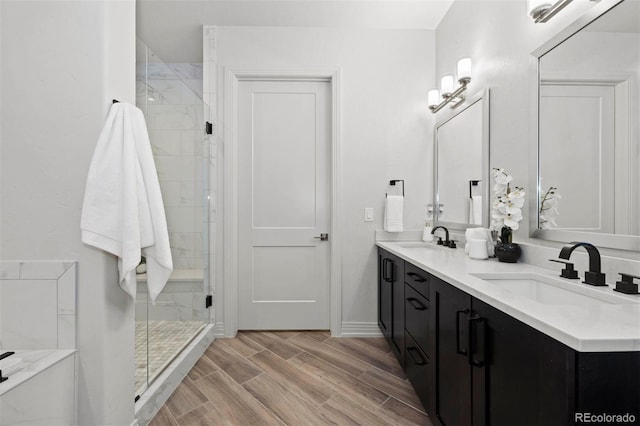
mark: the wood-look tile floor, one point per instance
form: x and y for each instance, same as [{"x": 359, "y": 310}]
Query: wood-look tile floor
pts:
[{"x": 294, "y": 378}]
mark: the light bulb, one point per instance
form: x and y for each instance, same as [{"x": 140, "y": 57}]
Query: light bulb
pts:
[
  {"x": 433, "y": 97},
  {"x": 464, "y": 70},
  {"x": 538, "y": 7},
  {"x": 446, "y": 85}
]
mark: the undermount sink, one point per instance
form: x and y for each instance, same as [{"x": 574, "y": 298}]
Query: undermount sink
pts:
[
  {"x": 418, "y": 245},
  {"x": 554, "y": 291}
]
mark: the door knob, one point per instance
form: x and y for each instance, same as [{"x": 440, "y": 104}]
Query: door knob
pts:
[{"x": 323, "y": 237}]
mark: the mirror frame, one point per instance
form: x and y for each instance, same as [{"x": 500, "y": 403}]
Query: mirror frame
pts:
[
  {"x": 483, "y": 97},
  {"x": 613, "y": 241}
]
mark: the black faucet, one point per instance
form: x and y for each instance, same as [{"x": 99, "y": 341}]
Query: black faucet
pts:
[
  {"x": 446, "y": 235},
  {"x": 593, "y": 276}
]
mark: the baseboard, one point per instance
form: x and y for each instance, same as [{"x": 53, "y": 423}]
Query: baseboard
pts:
[{"x": 360, "y": 329}]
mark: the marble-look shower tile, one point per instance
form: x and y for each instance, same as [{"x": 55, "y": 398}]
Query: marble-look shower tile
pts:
[
  {"x": 66, "y": 331},
  {"x": 173, "y": 117},
  {"x": 43, "y": 270},
  {"x": 9, "y": 270},
  {"x": 186, "y": 70},
  {"x": 165, "y": 91},
  {"x": 29, "y": 314},
  {"x": 191, "y": 92},
  {"x": 171, "y": 193},
  {"x": 175, "y": 168},
  {"x": 184, "y": 219},
  {"x": 165, "y": 142},
  {"x": 67, "y": 292},
  {"x": 189, "y": 142}
]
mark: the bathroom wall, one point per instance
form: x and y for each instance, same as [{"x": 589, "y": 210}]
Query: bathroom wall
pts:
[
  {"x": 500, "y": 36},
  {"x": 61, "y": 64},
  {"x": 386, "y": 131}
]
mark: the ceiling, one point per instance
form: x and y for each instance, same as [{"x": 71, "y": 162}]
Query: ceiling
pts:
[{"x": 173, "y": 28}]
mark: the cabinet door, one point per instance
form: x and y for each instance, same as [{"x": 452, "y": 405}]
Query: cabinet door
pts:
[
  {"x": 450, "y": 373},
  {"x": 397, "y": 323},
  {"x": 504, "y": 358},
  {"x": 417, "y": 369},
  {"x": 384, "y": 294}
]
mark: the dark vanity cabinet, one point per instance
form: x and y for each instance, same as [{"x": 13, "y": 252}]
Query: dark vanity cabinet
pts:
[
  {"x": 417, "y": 347},
  {"x": 489, "y": 368},
  {"x": 472, "y": 364},
  {"x": 391, "y": 301}
]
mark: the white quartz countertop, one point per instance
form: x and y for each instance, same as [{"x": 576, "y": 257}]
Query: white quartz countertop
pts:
[{"x": 599, "y": 327}]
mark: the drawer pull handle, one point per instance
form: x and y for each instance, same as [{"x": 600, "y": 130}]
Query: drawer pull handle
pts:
[
  {"x": 416, "y": 304},
  {"x": 421, "y": 360},
  {"x": 416, "y": 277},
  {"x": 459, "y": 349}
]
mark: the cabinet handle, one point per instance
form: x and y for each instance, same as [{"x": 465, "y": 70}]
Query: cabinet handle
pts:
[
  {"x": 458, "y": 349},
  {"x": 477, "y": 341},
  {"x": 416, "y": 304},
  {"x": 411, "y": 351},
  {"x": 416, "y": 277},
  {"x": 385, "y": 270}
]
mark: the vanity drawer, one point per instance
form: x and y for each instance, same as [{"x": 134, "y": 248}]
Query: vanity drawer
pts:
[
  {"x": 417, "y": 369},
  {"x": 416, "y": 308},
  {"x": 417, "y": 278}
]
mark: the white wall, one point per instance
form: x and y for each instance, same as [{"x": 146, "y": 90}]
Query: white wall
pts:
[
  {"x": 386, "y": 131},
  {"x": 62, "y": 63},
  {"x": 500, "y": 36}
]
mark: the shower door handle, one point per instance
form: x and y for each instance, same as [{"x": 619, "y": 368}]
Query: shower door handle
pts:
[{"x": 323, "y": 237}]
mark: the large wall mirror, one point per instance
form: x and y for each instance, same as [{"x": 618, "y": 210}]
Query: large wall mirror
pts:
[
  {"x": 588, "y": 130},
  {"x": 462, "y": 165}
]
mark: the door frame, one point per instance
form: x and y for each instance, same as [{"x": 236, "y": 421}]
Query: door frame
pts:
[{"x": 232, "y": 78}]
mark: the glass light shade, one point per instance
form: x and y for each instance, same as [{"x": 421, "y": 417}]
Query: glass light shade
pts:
[
  {"x": 433, "y": 97},
  {"x": 464, "y": 69},
  {"x": 446, "y": 84},
  {"x": 537, "y": 7}
]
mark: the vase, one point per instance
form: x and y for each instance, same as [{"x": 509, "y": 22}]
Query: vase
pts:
[{"x": 507, "y": 251}]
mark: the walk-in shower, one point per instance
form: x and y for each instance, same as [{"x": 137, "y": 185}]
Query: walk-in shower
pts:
[{"x": 170, "y": 95}]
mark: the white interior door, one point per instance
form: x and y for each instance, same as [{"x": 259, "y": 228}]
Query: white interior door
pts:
[{"x": 284, "y": 133}]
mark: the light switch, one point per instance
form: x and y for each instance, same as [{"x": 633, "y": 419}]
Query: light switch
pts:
[{"x": 368, "y": 214}]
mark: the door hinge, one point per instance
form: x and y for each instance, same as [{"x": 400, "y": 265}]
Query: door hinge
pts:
[
  {"x": 208, "y": 128},
  {"x": 208, "y": 301}
]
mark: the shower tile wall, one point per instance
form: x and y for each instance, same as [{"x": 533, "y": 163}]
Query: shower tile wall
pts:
[{"x": 175, "y": 122}]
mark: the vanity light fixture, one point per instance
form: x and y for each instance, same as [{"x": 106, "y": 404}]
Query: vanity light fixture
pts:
[
  {"x": 437, "y": 99},
  {"x": 543, "y": 10}
]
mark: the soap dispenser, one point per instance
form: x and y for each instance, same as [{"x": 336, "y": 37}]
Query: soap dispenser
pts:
[
  {"x": 427, "y": 236},
  {"x": 627, "y": 285}
]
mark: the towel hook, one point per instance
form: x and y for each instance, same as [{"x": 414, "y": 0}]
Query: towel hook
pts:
[
  {"x": 393, "y": 183},
  {"x": 471, "y": 184}
]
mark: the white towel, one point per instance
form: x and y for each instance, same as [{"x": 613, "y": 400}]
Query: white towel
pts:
[
  {"x": 475, "y": 210},
  {"x": 479, "y": 234},
  {"x": 123, "y": 212},
  {"x": 393, "y": 213}
]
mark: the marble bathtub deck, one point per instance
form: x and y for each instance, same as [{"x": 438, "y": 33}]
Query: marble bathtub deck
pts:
[
  {"x": 32, "y": 363},
  {"x": 294, "y": 378}
]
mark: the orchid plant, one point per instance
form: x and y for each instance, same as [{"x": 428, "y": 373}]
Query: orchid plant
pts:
[
  {"x": 549, "y": 208},
  {"x": 507, "y": 205}
]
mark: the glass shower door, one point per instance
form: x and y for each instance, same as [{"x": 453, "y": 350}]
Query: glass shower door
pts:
[{"x": 170, "y": 96}]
